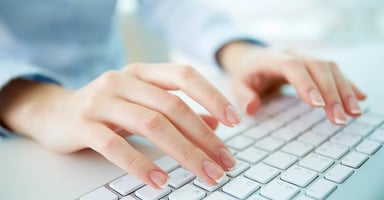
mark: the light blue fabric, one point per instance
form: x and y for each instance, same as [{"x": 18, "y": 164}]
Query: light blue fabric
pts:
[{"x": 72, "y": 42}]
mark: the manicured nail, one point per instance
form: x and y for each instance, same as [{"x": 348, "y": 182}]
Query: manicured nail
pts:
[
  {"x": 213, "y": 171},
  {"x": 354, "y": 105},
  {"x": 227, "y": 158},
  {"x": 158, "y": 178},
  {"x": 232, "y": 115},
  {"x": 316, "y": 98},
  {"x": 339, "y": 114}
]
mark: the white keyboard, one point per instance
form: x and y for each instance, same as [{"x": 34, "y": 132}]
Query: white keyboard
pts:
[{"x": 288, "y": 151}]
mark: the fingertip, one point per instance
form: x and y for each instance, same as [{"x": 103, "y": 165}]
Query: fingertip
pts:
[
  {"x": 252, "y": 106},
  {"x": 159, "y": 179}
]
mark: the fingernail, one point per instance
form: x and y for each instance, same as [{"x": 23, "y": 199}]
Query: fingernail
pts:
[
  {"x": 232, "y": 115},
  {"x": 354, "y": 105},
  {"x": 339, "y": 114},
  {"x": 316, "y": 98},
  {"x": 213, "y": 171},
  {"x": 227, "y": 158},
  {"x": 158, "y": 178}
]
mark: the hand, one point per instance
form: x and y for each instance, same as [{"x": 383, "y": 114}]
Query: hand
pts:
[
  {"x": 256, "y": 71},
  {"x": 133, "y": 100}
]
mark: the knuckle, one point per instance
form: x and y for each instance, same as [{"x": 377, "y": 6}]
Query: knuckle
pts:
[
  {"x": 209, "y": 139},
  {"x": 90, "y": 103},
  {"x": 187, "y": 71},
  {"x": 189, "y": 154},
  {"x": 133, "y": 162},
  {"x": 153, "y": 122},
  {"x": 106, "y": 145},
  {"x": 109, "y": 79},
  {"x": 293, "y": 63},
  {"x": 133, "y": 67},
  {"x": 173, "y": 103}
]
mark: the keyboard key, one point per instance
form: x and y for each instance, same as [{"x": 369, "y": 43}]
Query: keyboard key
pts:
[
  {"x": 252, "y": 155},
  {"x": 339, "y": 173},
  {"x": 303, "y": 197},
  {"x": 219, "y": 196},
  {"x": 239, "y": 142},
  {"x": 326, "y": 128},
  {"x": 262, "y": 173},
  {"x": 378, "y": 135},
  {"x": 187, "y": 192},
  {"x": 127, "y": 198},
  {"x": 313, "y": 138},
  {"x": 125, "y": 184},
  {"x": 150, "y": 193},
  {"x": 299, "y": 176},
  {"x": 256, "y": 197},
  {"x": 179, "y": 177},
  {"x": 321, "y": 189},
  {"x": 269, "y": 144},
  {"x": 285, "y": 134},
  {"x": 240, "y": 167},
  {"x": 298, "y": 148},
  {"x": 368, "y": 147},
  {"x": 358, "y": 129},
  {"x": 228, "y": 132},
  {"x": 278, "y": 189},
  {"x": 241, "y": 187},
  {"x": 370, "y": 119},
  {"x": 206, "y": 186},
  {"x": 332, "y": 150},
  {"x": 166, "y": 163},
  {"x": 316, "y": 162},
  {"x": 256, "y": 132},
  {"x": 100, "y": 194},
  {"x": 346, "y": 139},
  {"x": 354, "y": 159},
  {"x": 280, "y": 160}
]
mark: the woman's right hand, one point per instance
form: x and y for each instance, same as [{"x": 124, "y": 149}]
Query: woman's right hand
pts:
[{"x": 134, "y": 100}]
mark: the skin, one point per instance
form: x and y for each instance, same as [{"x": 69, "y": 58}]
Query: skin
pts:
[{"x": 135, "y": 100}]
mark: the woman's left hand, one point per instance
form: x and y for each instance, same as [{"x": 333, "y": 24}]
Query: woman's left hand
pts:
[{"x": 255, "y": 71}]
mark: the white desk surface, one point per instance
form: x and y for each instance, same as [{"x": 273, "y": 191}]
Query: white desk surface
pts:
[{"x": 29, "y": 171}]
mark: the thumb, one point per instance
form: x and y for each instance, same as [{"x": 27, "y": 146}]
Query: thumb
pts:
[{"x": 247, "y": 96}]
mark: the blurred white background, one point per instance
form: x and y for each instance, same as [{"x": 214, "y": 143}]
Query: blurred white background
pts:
[{"x": 298, "y": 23}]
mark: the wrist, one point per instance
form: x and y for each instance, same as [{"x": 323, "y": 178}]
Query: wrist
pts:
[
  {"x": 232, "y": 53},
  {"x": 23, "y": 103}
]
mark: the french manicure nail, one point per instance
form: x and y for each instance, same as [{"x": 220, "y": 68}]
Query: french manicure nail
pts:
[
  {"x": 227, "y": 158},
  {"x": 354, "y": 105},
  {"x": 316, "y": 98},
  {"x": 232, "y": 115},
  {"x": 158, "y": 178},
  {"x": 339, "y": 114},
  {"x": 213, "y": 171}
]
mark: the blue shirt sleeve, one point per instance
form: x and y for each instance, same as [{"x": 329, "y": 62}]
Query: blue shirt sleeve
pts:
[{"x": 195, "y": 28}]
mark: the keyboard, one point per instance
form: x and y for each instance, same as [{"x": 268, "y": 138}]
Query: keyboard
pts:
[{"x": 288, "y": 150}]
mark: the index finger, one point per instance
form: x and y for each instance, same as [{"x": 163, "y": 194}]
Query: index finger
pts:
[{"x": 192, "y": 83}]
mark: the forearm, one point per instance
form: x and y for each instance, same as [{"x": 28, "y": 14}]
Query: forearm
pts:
[{"x": 23, "y": 104}]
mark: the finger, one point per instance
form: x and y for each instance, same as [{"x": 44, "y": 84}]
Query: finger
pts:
[
  {"x": 210, "y": 121},
  {"x": 161, "y": 132},
  {"x": 179, "y": 114},
  {"x": 246, "y": 95},
  {"x": 349, "y": 100},
  {"x": 185, "y": 78},
  {"x": 121, "y": 153},
  {"x": 323, "y": 76},
  {"x": 359, "y": 94},
  {"x": 297, "y": 74}
]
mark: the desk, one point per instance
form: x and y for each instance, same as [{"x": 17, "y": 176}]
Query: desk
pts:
[{"x": 29, "y": 171}]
